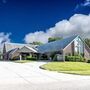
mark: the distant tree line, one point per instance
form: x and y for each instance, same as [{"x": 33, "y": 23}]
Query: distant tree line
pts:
[
  {"x": 51, "y": 39},
  {"x": 36, "y": 43}
]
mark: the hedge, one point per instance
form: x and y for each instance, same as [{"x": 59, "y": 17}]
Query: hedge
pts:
[
  {"x": 88, "y": 61},
  {"x": 74, "y": 58},
  {"x": 30, "y": 58}
]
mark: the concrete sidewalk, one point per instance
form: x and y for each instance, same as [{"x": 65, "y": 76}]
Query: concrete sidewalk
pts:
[{"x": 28, "y": 76}]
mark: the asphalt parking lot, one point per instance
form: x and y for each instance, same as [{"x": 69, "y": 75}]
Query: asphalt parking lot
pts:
[{"x": 28, "y": 76}]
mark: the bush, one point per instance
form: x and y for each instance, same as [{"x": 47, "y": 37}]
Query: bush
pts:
[
  {"x": 55, "y": 58},
  {"x": 30, "y": 58},
  {"x": 52, "y": 55},
  {"x": 15, "y": 58},
  {"x": 88, "y": 61},
  {"x": 74, "y": 58},
  {"x": 44, "y": 57}
]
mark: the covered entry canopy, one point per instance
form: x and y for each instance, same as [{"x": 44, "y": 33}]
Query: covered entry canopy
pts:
[
  {"x": 24, "y": 51},
  {"x": 27, "y": 49}
]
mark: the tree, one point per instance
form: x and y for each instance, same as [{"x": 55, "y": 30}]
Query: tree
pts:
[
  {"x": 87, "y": 41},
  {"x": 51, "y": 39},
  {"x": 36, "y": 43}
]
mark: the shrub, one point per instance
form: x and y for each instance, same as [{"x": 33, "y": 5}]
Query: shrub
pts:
[
  {"x": 15, "y": 58},
  {"x": 30, "y": 58},
  {"x": 44, "y": 57},
  {"x": 52, "y": 55},
  {"x": 74, "y": 58},
  {"x": 55, "y": 58},
  {"x": 88, "y": 61}
]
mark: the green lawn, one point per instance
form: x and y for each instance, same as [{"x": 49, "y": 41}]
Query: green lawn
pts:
[
  {"x": 79, "y": 68},
  {"x": 22, "y": 61}
]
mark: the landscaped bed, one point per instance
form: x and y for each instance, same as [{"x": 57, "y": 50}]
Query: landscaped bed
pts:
[
  {"x": 79, "y": 68},
  {"x": 23, "y": 61}
]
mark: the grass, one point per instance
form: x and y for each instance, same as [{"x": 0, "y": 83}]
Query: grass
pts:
[
  {"x": 22, "y": 61},
  {"x": 79, "y": 68}
]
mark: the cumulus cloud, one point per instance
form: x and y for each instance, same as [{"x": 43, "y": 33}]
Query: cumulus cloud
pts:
[
  {"x": 77, "y": 24},
  {"x": 37, "y": 36},
  {"x": 4, "y": 37}
]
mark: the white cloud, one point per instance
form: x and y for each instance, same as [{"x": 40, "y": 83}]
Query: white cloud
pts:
[
  {"x": 4, "y": 37},
  {"x": 37, "y": 36},
  {"x": 77, "y": 24}
]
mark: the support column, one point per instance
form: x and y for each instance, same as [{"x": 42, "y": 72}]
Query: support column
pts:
[
  {"x": 48, "y": 56},
  {"x": 40, "y": 56},
  {"x": 20, "y": 57},
  {"x": 63, "y": 56}
]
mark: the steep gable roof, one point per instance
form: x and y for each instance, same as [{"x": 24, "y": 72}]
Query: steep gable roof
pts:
[
  {"x": 13, "y": 51},
  {"x": 10, "y": 46},
  {"x": 27, "y": 49},
  {"x": 56, "y": 45}
]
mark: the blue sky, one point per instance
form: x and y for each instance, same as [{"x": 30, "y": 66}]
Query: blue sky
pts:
[{"x": 21, "y": 20}]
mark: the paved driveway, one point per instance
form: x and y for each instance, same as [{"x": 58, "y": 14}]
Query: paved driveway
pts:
[{"x": 28, "y": 76}]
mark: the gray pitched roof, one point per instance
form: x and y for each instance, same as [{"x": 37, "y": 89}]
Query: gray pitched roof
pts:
[
  {"x": 13, "y": 50},
  {"x": 56, "y": 45},
  {"x": 10, "y": 46},
  {"x": 27, "y": 49}
]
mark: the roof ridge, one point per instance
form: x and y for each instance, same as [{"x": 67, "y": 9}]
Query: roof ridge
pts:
[{"x": 17, "y": 43}]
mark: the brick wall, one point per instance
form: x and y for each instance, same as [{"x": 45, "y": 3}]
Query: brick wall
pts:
[
  {"x": 86, "y": 52},
  {"x": 69, "y": 50}
]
